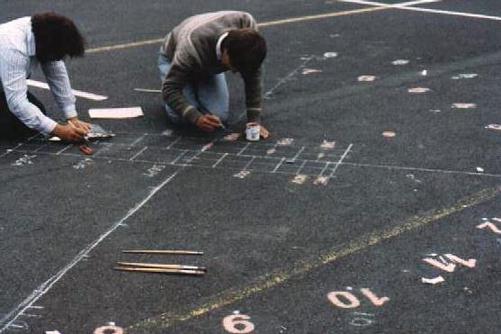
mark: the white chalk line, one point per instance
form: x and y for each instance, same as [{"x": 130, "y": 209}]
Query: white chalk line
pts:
[
  {"x": 341, "y": 160},
  {"x": 138, "y": 153},
  {"x": 304, "y": 162},
  {"x": 425, "y": 10},
  {"x": 48, "y": 284},
  {"x": 79, "y": 93}
]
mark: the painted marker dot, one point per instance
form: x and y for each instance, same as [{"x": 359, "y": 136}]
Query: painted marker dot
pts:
[
  {"x": 480, "y": 169},
  {"x": 463, "y": 106},
  {"x": 366, "y": 78},
  {"x": 389, "y": 134},
  {"x": 400, "y": 62},
  {"x": 418, "y": 90},
  {"x": 331, "y": 54}
]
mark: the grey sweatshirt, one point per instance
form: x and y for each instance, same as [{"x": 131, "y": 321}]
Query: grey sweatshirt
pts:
[{"x": 191, "y": 48}]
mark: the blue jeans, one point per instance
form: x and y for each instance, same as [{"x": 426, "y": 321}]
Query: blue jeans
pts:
[{"x": 209, "y": 95}]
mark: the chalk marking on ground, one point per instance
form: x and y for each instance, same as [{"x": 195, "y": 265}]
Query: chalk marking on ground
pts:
[
  {"x": 138, "y": 153},
  {"x": 341, "y": 160},
  {"x": 64, "y": 149},
  {"x": 42, "y": 289},
  {"x": 425, "y": 10},
  {"x": 301, "y": 267},
  {"x": 79, "y": 93},
  {"x": 278, "y": 165},
  {"x": 219, "y": 160}
]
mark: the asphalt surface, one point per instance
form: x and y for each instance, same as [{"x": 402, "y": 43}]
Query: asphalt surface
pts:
[{"x": 298, "y": 236}]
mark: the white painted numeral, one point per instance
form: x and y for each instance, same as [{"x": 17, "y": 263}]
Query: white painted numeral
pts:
[
  {"x": 373, "y": 298},
  {"x": 491, "y": 226},
  {"x": 109, "y": 330},
  {"x": 238, "y": 324},
  {"x": 345, "y": 299},
  {"x": 352, "y": 301}
]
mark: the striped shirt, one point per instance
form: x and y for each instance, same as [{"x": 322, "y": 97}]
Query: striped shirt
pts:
[{"x": 17, "y": 62}]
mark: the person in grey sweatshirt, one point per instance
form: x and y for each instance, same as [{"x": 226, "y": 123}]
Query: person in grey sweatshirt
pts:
[{"x": 192, "y": 62}]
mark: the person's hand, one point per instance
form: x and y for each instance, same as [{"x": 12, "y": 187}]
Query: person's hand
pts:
[
  {"x": 69, "y": 133},
  {"x": 76, "y": 123},
  {"x": 264, "y": 133},
  {"x": 208, "y": 123}
]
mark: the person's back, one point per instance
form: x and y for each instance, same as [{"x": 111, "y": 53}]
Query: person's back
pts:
[{"x": 196, "y": 53}]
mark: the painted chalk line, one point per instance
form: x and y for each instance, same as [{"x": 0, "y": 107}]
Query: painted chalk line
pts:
[
  {"x": 260, "y": 25},
  {"x": 425, "y": 10},
  {"x": 301, "y": 267},
  {"x": 79, "y": 93},
  {"x": 305, "y": 161},
  {"x": 42, "y": 289}
]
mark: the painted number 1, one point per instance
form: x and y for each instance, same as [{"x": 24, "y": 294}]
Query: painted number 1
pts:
[{"x": 238, "y": 324}]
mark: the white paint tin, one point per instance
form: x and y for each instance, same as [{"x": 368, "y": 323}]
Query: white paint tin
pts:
[{"x": 252, "y": 131}]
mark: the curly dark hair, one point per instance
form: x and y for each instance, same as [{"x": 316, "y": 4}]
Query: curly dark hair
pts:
[
  {"x": 246, "y": 49},
  {"x": 56, "y": 37}
]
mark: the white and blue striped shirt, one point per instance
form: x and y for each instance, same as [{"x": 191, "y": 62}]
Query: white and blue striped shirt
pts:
[{"x": 17, "y": 61}]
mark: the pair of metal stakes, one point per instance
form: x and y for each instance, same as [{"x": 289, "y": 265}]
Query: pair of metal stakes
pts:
[{"x": 175, "y": 269}]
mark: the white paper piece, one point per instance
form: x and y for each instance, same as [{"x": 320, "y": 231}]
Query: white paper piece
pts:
[
  {"x": 79, "y": 93},
  {"x": 480, "y": 169},
  {"x": 436, "y": 280},
  {"x": 54, "y": 138},
  {"x": 116, "y": 113},
  {"x": 494, "y": 127},
  {"x": 424, "y": 73}
]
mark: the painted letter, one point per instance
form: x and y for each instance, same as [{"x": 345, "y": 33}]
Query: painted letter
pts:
[{"x": 491, "y": 226}]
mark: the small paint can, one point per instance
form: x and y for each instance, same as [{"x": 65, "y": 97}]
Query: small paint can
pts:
[{"x": 252, "y": 131}]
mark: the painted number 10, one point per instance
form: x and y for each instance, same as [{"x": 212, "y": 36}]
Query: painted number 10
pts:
[{"x": 345, "y": 299}]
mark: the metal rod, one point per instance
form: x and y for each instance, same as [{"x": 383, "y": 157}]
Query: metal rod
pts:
[
  {"x": 173, "y": 252},
  {"x": 160, "y": 270},
  {"x": 161, "y": 265}
]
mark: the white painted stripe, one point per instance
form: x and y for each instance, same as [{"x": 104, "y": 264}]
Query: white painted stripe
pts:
[
  {"x": 406, "y": 6},
  {"x": 78, "y": 93},
  {"x": 386, "y": 5},
  {"x": 48, "y": 284},
  {"x": 260, "y": 25}
]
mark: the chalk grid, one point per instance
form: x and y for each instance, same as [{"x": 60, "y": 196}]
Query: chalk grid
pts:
[{"x": 281, "y": 156}]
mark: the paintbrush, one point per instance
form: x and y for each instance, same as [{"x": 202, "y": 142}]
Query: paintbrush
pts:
[
  {"x": 161, "y": 266},
  {"x": 172, "y": 252},
  {"x": 162, "y": 271}
]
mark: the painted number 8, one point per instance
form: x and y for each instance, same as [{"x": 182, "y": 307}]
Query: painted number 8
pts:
[{"x": 238, "y": 324}]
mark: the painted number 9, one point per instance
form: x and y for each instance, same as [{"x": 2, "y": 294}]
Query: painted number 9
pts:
[{"x": 238, "y": 324}]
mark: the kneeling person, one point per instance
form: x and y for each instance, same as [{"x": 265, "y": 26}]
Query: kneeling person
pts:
[
  {"x": 192, "y": 62},
  {"x": 43, "y": 39}
]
